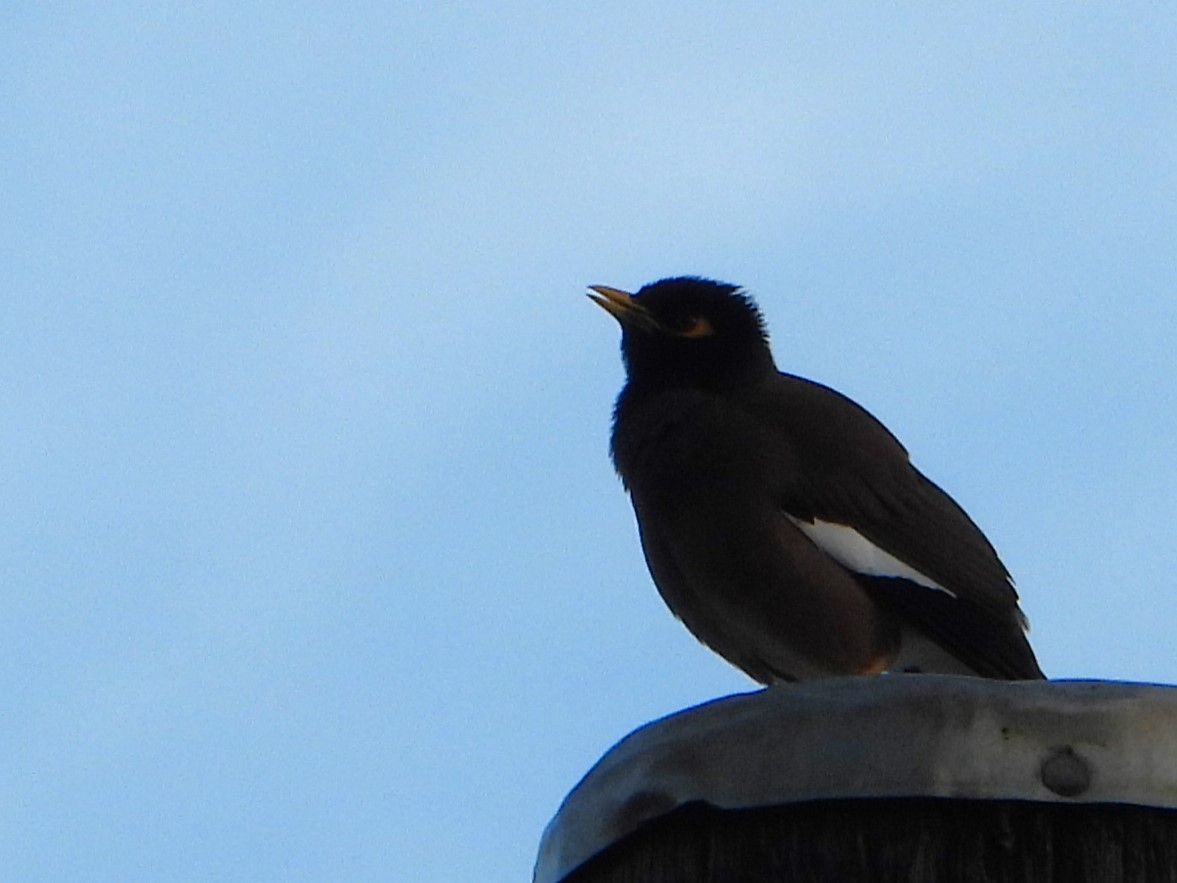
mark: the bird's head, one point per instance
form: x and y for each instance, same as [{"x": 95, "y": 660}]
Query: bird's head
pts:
[{"x": 688, "y": 331}]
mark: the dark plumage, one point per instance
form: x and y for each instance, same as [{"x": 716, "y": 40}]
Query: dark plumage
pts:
[{"x": 783, "y": 523}]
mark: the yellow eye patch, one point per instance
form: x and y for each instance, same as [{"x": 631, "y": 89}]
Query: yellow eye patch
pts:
[{"x": 697, "y": 327}]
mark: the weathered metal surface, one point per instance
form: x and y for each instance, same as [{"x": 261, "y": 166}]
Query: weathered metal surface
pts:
[{"x": 883, "y": 737}]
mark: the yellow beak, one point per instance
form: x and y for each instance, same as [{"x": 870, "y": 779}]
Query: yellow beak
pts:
[{"x": 621, "y": 305}]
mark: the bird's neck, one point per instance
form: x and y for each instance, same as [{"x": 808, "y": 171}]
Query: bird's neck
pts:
[{"x": 731, "y": 378}]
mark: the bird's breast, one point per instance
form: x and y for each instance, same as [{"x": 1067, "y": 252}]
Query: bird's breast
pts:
[{"x": 685, "y": 444}]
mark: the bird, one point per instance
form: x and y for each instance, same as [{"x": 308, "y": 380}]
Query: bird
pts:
[{"x": 781, "y": 522}]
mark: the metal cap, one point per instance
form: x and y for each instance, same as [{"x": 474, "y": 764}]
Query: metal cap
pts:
[{"x": 884, "y": 736}]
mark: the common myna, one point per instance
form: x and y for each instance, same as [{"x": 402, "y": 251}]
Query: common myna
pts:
[{"x": 782, "y": 523}]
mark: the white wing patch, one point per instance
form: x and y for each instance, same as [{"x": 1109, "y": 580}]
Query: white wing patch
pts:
[{"x": 854, "y": 551}]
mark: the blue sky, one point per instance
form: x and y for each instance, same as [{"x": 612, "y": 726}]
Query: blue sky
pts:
[{"x": 313, "y": 564}]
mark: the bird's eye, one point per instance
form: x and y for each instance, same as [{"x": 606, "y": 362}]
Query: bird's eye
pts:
[{"x": 696, "y": 326}]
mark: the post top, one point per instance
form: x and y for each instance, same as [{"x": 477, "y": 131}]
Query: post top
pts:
[{"x": 878, "y": 737}]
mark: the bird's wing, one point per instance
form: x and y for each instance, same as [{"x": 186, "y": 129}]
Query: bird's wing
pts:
[{"x": 848, "y": 484}]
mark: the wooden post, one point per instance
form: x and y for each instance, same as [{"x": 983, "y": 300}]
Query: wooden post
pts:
[{"x": 892, "y": 778}]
